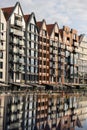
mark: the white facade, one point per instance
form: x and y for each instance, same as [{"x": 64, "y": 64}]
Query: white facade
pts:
[
  {"x": 83, "y": 59},
  {"x": 32, "y": 50},
  {"x": 16, "y": 46},
  {"x": 2, "y": 47}
]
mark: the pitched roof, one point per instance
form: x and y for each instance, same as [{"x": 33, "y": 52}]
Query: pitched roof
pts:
[
  {"x": 39, "y": 24},
  {"x": 27, "y": 17},
  {"x": 61, "y": 32},
  {"x": 7, "y": 12},
  {"x": 50, "y": 28}
]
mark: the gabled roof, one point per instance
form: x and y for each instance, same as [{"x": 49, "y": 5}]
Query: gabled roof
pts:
[
  {"x": 27, "y": 17},
  {"x": 50, "y": 28},
  {"x": 39, "y": 24},
  {"x": 7, "y": 12},
  {"x": 61, "y": 32}
]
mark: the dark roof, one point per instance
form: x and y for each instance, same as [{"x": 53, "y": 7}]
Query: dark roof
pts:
[
  {"x": 39, "y": 24},
  {"x": 27, "y": 17},
  {"x": 61, "y": 32},
  {"x": 7, "y": 12},
  {"x": 50, "y": 28}
]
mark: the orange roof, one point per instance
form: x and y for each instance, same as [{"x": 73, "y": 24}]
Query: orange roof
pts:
[
  {"x": 50, "y": 28},
  {"x": 7, "y": 12},
  {"x": 27, "y": 17},
  {"x": 39, "y": 24}
]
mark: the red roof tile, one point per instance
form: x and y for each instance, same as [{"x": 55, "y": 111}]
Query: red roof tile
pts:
[
  {"x": 50, "y": 28},
  {"x": 39, "y": 24},
  {"x": 7, "y": 12},
  {"x": 61, "y": 32},
  {"x": 27, "y": 17}
]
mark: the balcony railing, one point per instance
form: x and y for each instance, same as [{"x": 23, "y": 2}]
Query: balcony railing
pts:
[
  {"x": 76, "y": 44},
  {"x": 62, "y": 46},
  {"x": 18, "y": 23}
]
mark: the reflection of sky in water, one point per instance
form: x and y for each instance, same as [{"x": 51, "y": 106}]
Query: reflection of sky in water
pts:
[{"x": 84, "y": 124}]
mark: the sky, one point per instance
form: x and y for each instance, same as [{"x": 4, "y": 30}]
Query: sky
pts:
[{"x": 72, "y": 13}]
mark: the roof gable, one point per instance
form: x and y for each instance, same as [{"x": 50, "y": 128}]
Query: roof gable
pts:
[
  {"x": 7, "y": 12},
  {"x": 27, "y": 17},
  {"x": 50, "y": 28}
]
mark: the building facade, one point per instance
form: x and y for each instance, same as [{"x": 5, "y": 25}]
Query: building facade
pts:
[
  {"x": 36, "y": 52},
  {"x": 15, "y": 44},
  {"x": 82, "y": 60},
  {"x": 43, "y": 54},
  {"x": 70, "y": 54},
  {"x": 3, "y": 47},
  {"x": 31, "y": 49},
  {"x": 53, "y": 31}
]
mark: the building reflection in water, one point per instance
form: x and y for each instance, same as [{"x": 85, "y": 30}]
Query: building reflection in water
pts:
[{"x": 43, "y": 111}]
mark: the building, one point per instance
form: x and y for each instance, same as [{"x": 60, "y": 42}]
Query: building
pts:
[
  {"x": 31, "y": 49},
  {"x": 36, "y": 52},
  {"x": 82, "y": 60},
  {"x": 53, "y": 31},
  {"x": 70, "y": 54},
  {"x": 43, "y": 55},
  {"x": 3, "y": 47},
  {"x": 15, "y": 44}
]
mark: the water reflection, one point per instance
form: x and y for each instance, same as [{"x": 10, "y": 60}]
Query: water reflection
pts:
[{"x": 67, "y": 113}]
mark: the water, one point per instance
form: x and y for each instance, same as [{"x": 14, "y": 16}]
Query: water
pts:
[{"x": 84, "y": 124}]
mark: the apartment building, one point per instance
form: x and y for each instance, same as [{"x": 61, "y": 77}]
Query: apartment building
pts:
[
  {"x": 2, "y": 47},
  {"x": 82, "y": 60},
  {"x": 43, "y": 54},
  {"x": 31, "y": 49},
  {"x": 15, "y": 44},
  {"x": 53, "y": 31},
  {"x": 70, "y": 45}
]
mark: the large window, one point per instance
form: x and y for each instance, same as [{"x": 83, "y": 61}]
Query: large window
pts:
[
  {"x": 1, "y": 54},
  {"x": 32, "y": 45},
  {"x": 1, "y": 65},
  {"x": 1, "y": 75},
  {"x": 32, "y": 27},
  {"x": 2, "y": 26}
]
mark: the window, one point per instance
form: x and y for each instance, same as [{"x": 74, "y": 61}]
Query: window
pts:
[
  {"x": 32, "y": 27},
  {"x": 1, "y": 75},
  {"x": 1, "y": 65},
  {"x": 32, "y": 44},
  {"x": 56, "y": 34},
  {"x": 1, "y": 54},
  {"x": 2, "y": 26},
  {"x": 44, "y": 32}
]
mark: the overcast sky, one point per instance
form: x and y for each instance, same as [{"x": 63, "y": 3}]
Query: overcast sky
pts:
[{"x": 72, "y": 13}]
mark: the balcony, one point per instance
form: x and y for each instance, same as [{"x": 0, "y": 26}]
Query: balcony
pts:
[
  {"x": 15, "y": 50},
  {"x": 62, "y": 67},
  {"x": 2, "y": 47},
  {"x": 55, "y": 52},
  {"x": 63, "y": 53},
  {"x": 76, "y": 50},
  {"x": 62, "y": 60},
  {"x": 18, "y": 23},
  {"x": 76, "y": 44},
  {"x": 17, "y": 32},
  {"x": 69, "y": 48},
  {"x": 21, "y": 43},
  {"x": 2, "y": 38},
  {"x": 21, "y": 52},
  {"x": 62, "y": 46}
]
